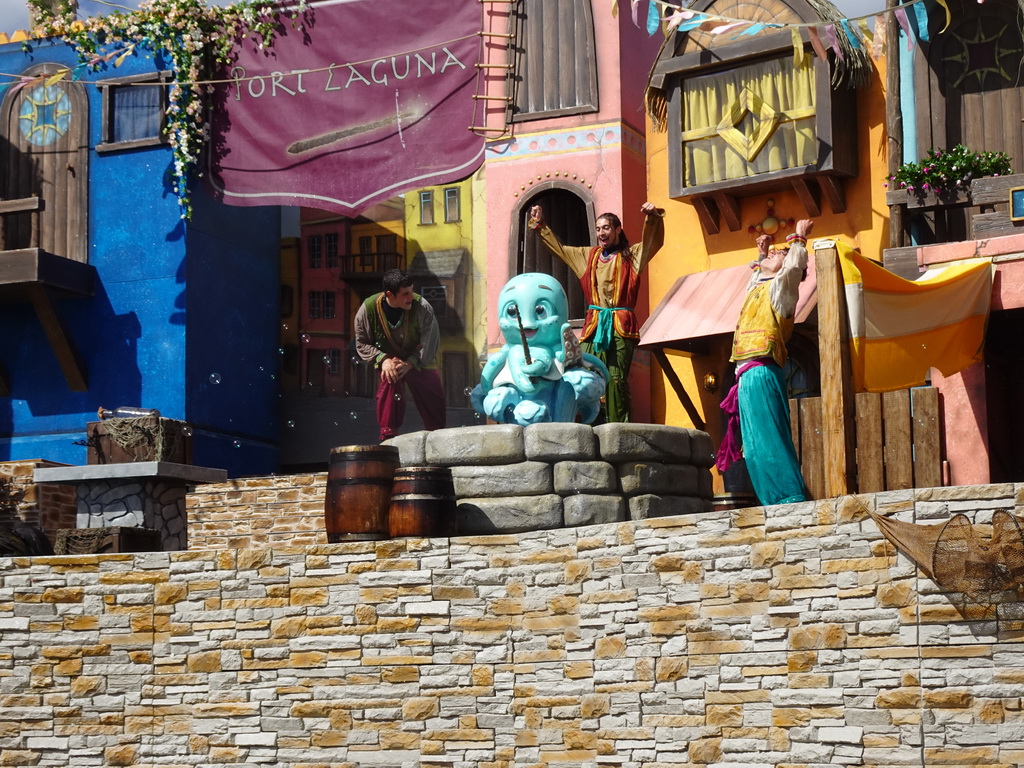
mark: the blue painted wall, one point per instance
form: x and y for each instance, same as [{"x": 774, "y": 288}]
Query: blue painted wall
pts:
[{"x": 178, "y": 306}]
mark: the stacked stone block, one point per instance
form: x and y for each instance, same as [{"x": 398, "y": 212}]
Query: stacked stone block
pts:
[
  {"x": 510, "y": 479},
  {"x": 507, "y": 479}
]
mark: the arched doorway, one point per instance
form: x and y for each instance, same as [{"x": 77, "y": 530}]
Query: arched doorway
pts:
[
  {"x": 46, "y": 128},
  {"x": 569, "y": 218}
]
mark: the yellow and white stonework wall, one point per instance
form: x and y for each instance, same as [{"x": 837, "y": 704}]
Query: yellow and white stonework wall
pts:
[{"x": 783, "y": 636}]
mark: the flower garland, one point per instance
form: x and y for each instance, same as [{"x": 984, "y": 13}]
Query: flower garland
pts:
[
  {"x": 945, "y": 171},
  {"x": 198, "y": 39}
]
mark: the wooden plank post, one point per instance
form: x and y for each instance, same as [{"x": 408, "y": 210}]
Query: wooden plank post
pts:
[
  {"x": 870, "y": 459},
  {"x": 927, "y": 433},
  {"x": 899, "y": 453},
  {"x": 812, "y": 464},
  {"x": 837, "y": 379}
]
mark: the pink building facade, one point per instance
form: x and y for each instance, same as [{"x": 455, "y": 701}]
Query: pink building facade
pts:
[
  {"x": 576, "y": 143},
  {"x": 323, "y": 297}
]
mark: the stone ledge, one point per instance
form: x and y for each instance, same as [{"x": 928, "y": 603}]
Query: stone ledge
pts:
[{"x": 138, "y": 470}]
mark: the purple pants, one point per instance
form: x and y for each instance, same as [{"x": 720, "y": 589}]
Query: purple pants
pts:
[{"x": 426, "y": 389}]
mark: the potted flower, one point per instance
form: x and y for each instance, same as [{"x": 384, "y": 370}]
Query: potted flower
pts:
[{"x": 944, "y": 176}]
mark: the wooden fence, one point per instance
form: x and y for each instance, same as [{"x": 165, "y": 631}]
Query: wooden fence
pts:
[{"x": 898, "y": 441}]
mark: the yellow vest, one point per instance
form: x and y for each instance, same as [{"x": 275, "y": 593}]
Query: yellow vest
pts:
[{"x": 760, "y": 331}]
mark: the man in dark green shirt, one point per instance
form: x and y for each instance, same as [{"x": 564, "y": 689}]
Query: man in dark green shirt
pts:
[{"x": 396, "y": 330}]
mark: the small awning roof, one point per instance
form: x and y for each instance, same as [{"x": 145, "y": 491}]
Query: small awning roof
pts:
[{"x": 708, "y": 303}]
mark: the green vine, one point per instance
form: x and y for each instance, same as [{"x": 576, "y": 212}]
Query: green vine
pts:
[{"x": 198, "y": 39}]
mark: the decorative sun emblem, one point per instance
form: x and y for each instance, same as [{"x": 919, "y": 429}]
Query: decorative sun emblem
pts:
[
  {"x": 983, "y": 54},
  {"x": 45, "y": 115}
]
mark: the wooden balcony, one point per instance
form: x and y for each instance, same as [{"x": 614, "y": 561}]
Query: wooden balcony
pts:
[
  {"x": 31, "y": 274},
  {"x": 368, "y": 267},
  {"x": 980, "y": 212}
]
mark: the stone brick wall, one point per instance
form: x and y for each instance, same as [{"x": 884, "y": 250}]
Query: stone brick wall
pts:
[
  {"x": 787, "y": 636},
  {"x": 49, "y": 506},
  {"x": 257, "y": 512}
]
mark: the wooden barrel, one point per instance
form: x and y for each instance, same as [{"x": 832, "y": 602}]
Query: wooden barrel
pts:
[
  {"x": 422, "y": 502},
  {"x": 359, "y": 479}
]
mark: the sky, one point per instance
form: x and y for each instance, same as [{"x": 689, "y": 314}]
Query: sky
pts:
[{"x": 14, "y": 13}]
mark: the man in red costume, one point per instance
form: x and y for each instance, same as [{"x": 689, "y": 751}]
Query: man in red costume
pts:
[{"x": 609, "y": 274}]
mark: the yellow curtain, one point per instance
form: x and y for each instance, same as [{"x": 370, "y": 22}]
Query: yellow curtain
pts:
[{"x": 750, "y": 120}]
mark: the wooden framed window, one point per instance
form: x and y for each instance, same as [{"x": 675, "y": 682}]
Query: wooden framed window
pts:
[
  {"x": 426, "y": 207},
  {"x": 746, "y": 117},
  {"x": 331, "y": 246},
  {"x": 746, "y": 121},
  {"x": 437, "y": 296},
  {"x": 321, "y": 305},
  {"x": 315, "y": 250},
  {"x": 387, "y": 244},
  {"x": 452, "y": 208},
  {"x": 555, "y": 62},
  {"x": 333, "y": 361},
  {"x": 134, "y": 111},
  {"x": 315, "y": 305}
]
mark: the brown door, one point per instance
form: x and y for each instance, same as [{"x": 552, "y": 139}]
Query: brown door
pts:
[
  {"x": 566, "y": 214},
  {"x": 44, "y": 152}
]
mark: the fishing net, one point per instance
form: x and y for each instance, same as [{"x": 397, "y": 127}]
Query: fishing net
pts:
[
  {"x": 143, "y": 438},
  {"x": 960, "y": 556}
]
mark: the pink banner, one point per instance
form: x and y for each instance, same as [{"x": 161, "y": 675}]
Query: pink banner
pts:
[{"x": 374, "y": 98}]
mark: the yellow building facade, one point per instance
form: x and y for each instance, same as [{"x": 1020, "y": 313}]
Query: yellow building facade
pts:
[
  {"x": 447, "y": 262},
  {"x": 704, "y": 371}
]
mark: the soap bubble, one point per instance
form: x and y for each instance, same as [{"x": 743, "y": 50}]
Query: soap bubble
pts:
[
  {"x": 305, "y": 338},
  {"x": 237, "y": 444},
  {"x": 353, "y": 415},
  {"x": 291, "y": 422},
  {"x": 186, "y": 431},
  {"x": 467, "y": 391},
  {"x": 215, "y": 378}
]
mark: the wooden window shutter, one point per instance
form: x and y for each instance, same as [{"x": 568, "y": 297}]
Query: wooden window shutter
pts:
[{"x": 556, "y": 61}]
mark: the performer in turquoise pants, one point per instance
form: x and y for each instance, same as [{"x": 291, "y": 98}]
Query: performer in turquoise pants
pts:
[
  {"x": 758, "y": 406},
  {"x": 767, "y": 441}
]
